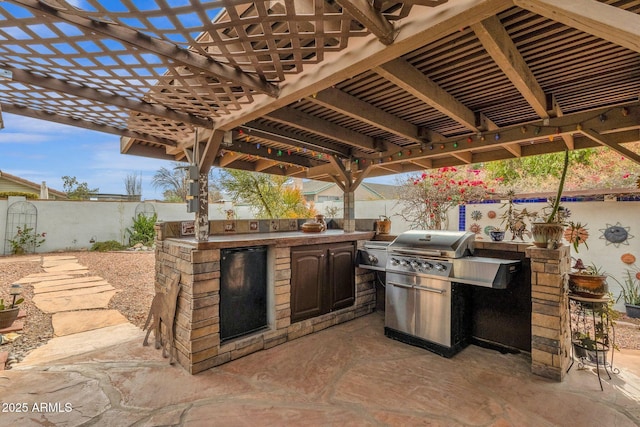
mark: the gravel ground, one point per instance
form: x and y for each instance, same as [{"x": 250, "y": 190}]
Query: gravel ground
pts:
[{"x": 132, "y": 273}]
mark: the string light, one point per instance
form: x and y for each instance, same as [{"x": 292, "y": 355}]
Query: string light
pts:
[
  {"x": 523, "y": 129},
  {"x": 455, "y": 145},
  {"x": 442, "y": 146},
  {"x": 469, "y": 140},
  {"x": 497, "y": 137},
  {"x": 624, "y": 111},
  {"x": 258, "y": 145}
]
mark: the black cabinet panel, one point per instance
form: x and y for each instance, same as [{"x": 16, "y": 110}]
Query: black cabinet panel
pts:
[{"x": 243, "y": 291}]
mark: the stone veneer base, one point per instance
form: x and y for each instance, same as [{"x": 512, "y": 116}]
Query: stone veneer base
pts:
[{"x": 197, "y": 326}]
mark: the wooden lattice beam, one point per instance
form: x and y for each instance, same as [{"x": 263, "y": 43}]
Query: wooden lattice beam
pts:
[
  {"x": 363, "y": 12},
  {"x": 109, "y": 99},
  {"x": 164, "y": 49},
  {"x": 337, "y": 100},
  {"x": 410, "y": 79},
  {"x": 593, "y": 17},
  {"x": 504, "y": 52},
  {"x": 57, "y": 118}
]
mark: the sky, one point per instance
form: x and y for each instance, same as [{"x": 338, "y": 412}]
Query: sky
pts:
[{"x": 39, "y": 150}]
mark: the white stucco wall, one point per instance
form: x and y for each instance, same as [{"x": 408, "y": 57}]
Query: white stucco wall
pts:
[
  {"x": 70, "y": 225},
  {"x": 598, "y": 216}
]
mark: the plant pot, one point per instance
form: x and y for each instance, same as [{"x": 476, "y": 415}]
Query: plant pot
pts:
[
  {"x": 383, "y": 227},
  {"x": 632, "y": 310},
  {"x": 496, "y": 236},
  {"x": 8, "y": 316},
  {"x": 588, "y": 286},
  {"x": 547, "y": 235},
  {"x": 592, "y": 356}
]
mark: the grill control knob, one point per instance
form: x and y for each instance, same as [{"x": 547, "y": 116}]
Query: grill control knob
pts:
[
  {"x": 404, "y": 263},
  {"x": 440, "y": 267},
  {"x": 373, "y": 259},
  {"x": 394, "y": 261},
  {"x": 414, "y": 264},
  {"x": 426, "y": 266}
]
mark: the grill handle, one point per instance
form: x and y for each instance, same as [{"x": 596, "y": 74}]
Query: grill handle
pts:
[
  {"x": 420, "y": 288},
  {"x": 417, "y": 252},
  {"x": 400, "y": 285},
  {"x": 433, "y": 290}
]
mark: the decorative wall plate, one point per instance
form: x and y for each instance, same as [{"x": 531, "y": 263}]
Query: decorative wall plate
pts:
[
  {"x": 616, "y": 235},
  {"x": 628, "y": 258},
  {"x": 476, "y": 215},
  {"x": 491, "y": 214}
]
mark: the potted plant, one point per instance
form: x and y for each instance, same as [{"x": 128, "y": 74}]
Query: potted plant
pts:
[
  {"x": 9, "y": 312},
  {"x": 515, "y": 219},
  {"x": 548, "y": 232},
  {"x": 594, "y": 348},
  {"x": 630, "y": 294},
  {"x": 588, "y": 282}
]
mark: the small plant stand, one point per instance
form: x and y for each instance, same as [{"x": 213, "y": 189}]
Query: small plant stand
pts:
[{"x": 589, "y": 317}]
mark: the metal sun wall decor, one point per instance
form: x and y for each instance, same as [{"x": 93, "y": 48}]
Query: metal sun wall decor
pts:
[
  {"x": 476, "y": 215},
  {"x": 616, "y": 235}
]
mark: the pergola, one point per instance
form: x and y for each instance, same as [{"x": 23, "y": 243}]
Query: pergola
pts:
[{"x": 334, "y": 90}]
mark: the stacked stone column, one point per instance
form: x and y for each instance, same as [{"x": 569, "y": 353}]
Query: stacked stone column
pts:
[{"x": 550, "y": 335}]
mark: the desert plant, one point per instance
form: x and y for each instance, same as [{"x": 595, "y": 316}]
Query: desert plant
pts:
[
  {"x": 630, "y": 292},
  {"x": 109, "y": 245},
  {"x": 10, "y": 306},
  {"x": 143, "y": 230}
]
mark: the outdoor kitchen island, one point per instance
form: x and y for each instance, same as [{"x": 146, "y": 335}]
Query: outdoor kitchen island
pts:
[{"x": 305, "y": 282}]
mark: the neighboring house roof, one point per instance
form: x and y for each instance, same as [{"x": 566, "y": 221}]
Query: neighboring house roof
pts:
[
  {"x": 385, "y": 191},
  {"x": 382, "y": 191},
  {"x": 21, "y": 184},
  {"x": 315, "y": 187}
]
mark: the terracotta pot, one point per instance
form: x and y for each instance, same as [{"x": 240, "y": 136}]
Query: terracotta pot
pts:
[
  {"x": 8, "y": 316},
  {"x": 547, "y": 235},
  {"x": 383, "y": 227},
  {"x": 588, "y": 286}
]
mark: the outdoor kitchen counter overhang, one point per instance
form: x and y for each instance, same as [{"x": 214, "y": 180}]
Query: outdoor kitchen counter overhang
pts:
[{"x": 277, "y": 239}]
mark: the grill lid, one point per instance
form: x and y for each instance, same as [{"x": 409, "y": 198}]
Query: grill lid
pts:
[{"x": 441, "y": 243}]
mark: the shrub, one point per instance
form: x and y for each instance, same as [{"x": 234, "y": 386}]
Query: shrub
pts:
[
  {"x": 26, "y": 240},
  {"x": 143, "y": 230},
  {"x": 7, "y": 194},
  {"x": 109, "y": 245}
]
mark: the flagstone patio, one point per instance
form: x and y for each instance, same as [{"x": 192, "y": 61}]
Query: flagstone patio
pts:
[{"x": 350, "y": 374}]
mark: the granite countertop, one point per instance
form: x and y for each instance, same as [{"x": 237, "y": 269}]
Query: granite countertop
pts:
[{"x": 278, "y": 239}]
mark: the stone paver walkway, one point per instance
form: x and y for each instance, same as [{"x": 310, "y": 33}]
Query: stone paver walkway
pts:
[{"x": 79, "y": 304}]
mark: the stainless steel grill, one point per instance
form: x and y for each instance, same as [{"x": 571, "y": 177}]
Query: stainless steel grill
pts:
[{"x": 428, "y": 274}]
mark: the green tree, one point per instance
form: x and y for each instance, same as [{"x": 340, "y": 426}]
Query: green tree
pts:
[
  {"x": 77, "y": 190},
  {"x": 270, "y": 196},
  {"x": 591, "y": 168}
]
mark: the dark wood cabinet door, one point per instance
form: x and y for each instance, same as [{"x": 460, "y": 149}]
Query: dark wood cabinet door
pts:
[
  {"x": 307, "y": 283},
  {"x": 341, "y": 277}
]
